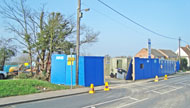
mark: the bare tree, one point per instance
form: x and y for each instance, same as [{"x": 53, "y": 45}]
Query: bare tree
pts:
[
  {"x": 88, "y": 35},
  {"x": 21, "y": 23},
  {"x": 42, "y": 34},
  {"x": 7, "y": 50}
]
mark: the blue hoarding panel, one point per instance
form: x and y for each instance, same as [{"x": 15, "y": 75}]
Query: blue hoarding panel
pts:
[
  {"x": 58, "y": 68},
  {"x": 81, "y": 71},
  {"x": 149, "y": 68},
  {"x": 177, "y": 66},
  {"x": 94, "y": 70},
  {"x": 91, "y": 70}
]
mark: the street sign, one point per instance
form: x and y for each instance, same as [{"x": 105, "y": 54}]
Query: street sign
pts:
[
  {"x": 69, "y": 62},
  {"x": 71, "y": 50},
  {"x": 71, "y": 59}
]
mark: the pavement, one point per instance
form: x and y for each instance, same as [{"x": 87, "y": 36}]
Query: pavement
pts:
[
  {"x": 118, "y": 88},
  {"x": 44, "y": 95}
]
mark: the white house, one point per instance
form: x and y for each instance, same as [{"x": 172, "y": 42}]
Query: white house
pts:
[{"x": 185, "y": 53}]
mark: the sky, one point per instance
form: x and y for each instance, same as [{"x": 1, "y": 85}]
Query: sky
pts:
[{"x": 118, "y": 36}]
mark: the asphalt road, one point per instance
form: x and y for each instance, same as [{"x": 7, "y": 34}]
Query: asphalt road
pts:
[{"x": 171, "y": 93}]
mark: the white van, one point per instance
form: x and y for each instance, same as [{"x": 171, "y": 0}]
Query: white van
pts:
[{"x": 3, "y": 74}]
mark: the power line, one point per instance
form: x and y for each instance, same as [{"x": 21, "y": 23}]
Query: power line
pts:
[
  {"x": 185, "y": 41},
  {"x": 101, "y": 13},
  {"x": 116, "y": 21},
  {"x": 147, "y": 29},
  {"x": 112, "y": 19}
]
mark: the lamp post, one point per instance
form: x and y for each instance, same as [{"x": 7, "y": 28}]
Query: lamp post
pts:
[{"x": 79, "y": 16}]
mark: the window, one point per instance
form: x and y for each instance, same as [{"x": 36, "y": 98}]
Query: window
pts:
[
  {"x": 142, "y": 66},
  {"x": 119, "y": 64}
]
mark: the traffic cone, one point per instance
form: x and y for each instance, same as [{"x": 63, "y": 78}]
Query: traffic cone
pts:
[
  {"x": 156, "y": 79},
  {"x": 106, "y": 88},
  {"x": 165, "y": 77},
  {"x": 91, "y": 89}
]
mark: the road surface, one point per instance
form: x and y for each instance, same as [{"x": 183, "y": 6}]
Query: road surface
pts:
[{"x": 171, "y": 93}]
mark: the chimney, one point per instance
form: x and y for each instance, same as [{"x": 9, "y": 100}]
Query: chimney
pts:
[{"x": 187, "y": 46}]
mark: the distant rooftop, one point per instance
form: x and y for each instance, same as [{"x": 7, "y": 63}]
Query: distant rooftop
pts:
[
  {"x": 169, "y": 53},
  {"x": 187, "y": 51},
  {"x": 156, "y": 53}
]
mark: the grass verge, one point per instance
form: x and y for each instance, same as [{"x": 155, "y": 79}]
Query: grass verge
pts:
[{"x": 26, "y": 86}]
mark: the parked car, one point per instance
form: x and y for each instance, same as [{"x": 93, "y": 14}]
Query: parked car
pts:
[{"x": 3, "y": 74}]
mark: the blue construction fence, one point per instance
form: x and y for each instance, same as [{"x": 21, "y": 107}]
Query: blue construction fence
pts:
[
  {"x": 91, "y": 70},
  {"x": 144, "y": 68}
]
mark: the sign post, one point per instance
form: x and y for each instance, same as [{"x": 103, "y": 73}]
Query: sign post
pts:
[
  {"x": 70, "y": 59},
  {"x": 149, "y": 48}
]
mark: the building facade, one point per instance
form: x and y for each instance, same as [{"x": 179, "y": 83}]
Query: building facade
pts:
[
  {"x": 184, "y": 53},
  {"x": 161, "y": 54}
]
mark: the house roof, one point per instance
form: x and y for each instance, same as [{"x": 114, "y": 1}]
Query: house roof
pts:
[
  {"x": 186, "y": 50},
  {"x": 168, "y": 53},
  {"x": 156, "y": 53}
]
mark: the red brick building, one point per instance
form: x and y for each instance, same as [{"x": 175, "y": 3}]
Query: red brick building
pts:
[{"x": 165, "y": 54}]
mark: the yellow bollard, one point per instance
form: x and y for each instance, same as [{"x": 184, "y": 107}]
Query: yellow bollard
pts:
[
  {"x": 165, "y": 77},
  {"x": 91, "y": 89},
  {"x": 106, "y": 88},
  {"x": 156, "y": 79}
]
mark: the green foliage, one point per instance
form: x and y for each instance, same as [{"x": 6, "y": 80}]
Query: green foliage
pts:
[
  {"x": 42, "y": 34},
  {"x": 40, "y": 77},
  {"x": 23, "y": 76},
  {"x": 65, "y": 46},
  {"x": 183, "y": 64},
  {"x": 184, "y": 70},
  {"x": 52, "y": 38},
  {"x": 53, "y": 34},
  {"x": 27, "y": 86},
  {"x": 24, "y": 51},
  {"x": 6, "y": 53}
]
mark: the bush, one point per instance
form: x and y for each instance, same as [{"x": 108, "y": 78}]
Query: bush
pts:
[
  {"x": 184, "y": 70},
  {"x": 23, "y": 76},
  {"x": 183, "y": 64},
  {"x": 40, "y": 77}
]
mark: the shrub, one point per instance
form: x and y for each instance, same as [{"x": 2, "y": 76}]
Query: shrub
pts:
[
  {"x": 183, "y": 64},
  {"x": 23, "y": 76},
  {"x": 40, "y": 77},
  {"x": 184, "y": 70}
]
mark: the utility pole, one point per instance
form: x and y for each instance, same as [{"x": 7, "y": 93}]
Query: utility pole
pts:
[
  {"x": 78, "y": 39},
  {"x": 179, "y": 55}
]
